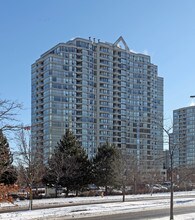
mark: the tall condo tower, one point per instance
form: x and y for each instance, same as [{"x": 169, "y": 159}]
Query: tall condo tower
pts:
[
  {"x": 102, "y": 92},
  {"x": 184, "y": 135}
]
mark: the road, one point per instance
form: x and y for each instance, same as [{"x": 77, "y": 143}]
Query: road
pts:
[{"x": 143, "y": 215}]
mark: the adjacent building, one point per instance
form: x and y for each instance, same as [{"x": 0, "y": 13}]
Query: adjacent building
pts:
[
  {"x": 183, "y": 143},
  {"x": 103, "y": 92}
]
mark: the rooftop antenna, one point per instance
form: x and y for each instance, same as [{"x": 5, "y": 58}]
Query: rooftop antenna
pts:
[{"x": 192, "y": 100}]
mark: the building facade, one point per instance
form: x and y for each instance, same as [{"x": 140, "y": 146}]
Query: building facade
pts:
[
  {"x": 183, "y": 143},
  {"x": 103, "y": 92}
]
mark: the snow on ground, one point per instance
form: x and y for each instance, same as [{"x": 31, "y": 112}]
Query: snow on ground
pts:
[{"x": 83, "y": 210}]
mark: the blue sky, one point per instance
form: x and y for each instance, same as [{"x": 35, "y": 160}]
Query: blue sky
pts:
[{"x": 165, "y": 29}]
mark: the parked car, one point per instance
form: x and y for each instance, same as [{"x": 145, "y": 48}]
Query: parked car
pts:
[
  {"x": 162, "y": 188},
  {"x": 157, "y": 188},
  {"x": 168, "y": 186}
]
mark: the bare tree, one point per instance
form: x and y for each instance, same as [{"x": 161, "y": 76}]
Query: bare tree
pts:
[
  {"x": 174, "y": 145},
  {"x": 8, "y": 114},
  {"x": 184, "y": 176},
  {"x": 29, "y": 161},
  {"x": 126, "y": 169}
]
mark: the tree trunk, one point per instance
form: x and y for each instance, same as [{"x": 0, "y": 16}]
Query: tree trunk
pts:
[
  {"x": 30, "y": 199},
  {"x": 56, "y": 190},
  {"x": 123, "y": 192},
  {"x": 106, "y": 190},
  {"x": 67, "y": 192},
  {"x": 135, "y": 186}
]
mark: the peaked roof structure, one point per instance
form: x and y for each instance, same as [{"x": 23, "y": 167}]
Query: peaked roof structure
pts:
[{"x": 121, "y": 40}]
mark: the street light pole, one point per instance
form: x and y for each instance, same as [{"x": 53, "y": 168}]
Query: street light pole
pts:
[{"x": 171, "y": 179}]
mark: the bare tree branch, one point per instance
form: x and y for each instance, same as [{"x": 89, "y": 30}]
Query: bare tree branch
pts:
[
  {"x": 29, "y": 160},
  {"x": 8, "y": 114}
]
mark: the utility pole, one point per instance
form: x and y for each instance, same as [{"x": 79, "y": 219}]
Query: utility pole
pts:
[
  {"x": 171, "y": 153},
  {"x": 171, "y": 178}
]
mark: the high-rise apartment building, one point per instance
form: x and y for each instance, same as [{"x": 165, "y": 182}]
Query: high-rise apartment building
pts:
[
  {"x": 183, "y": 143},
  {"x": 103, "y": 92}
]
